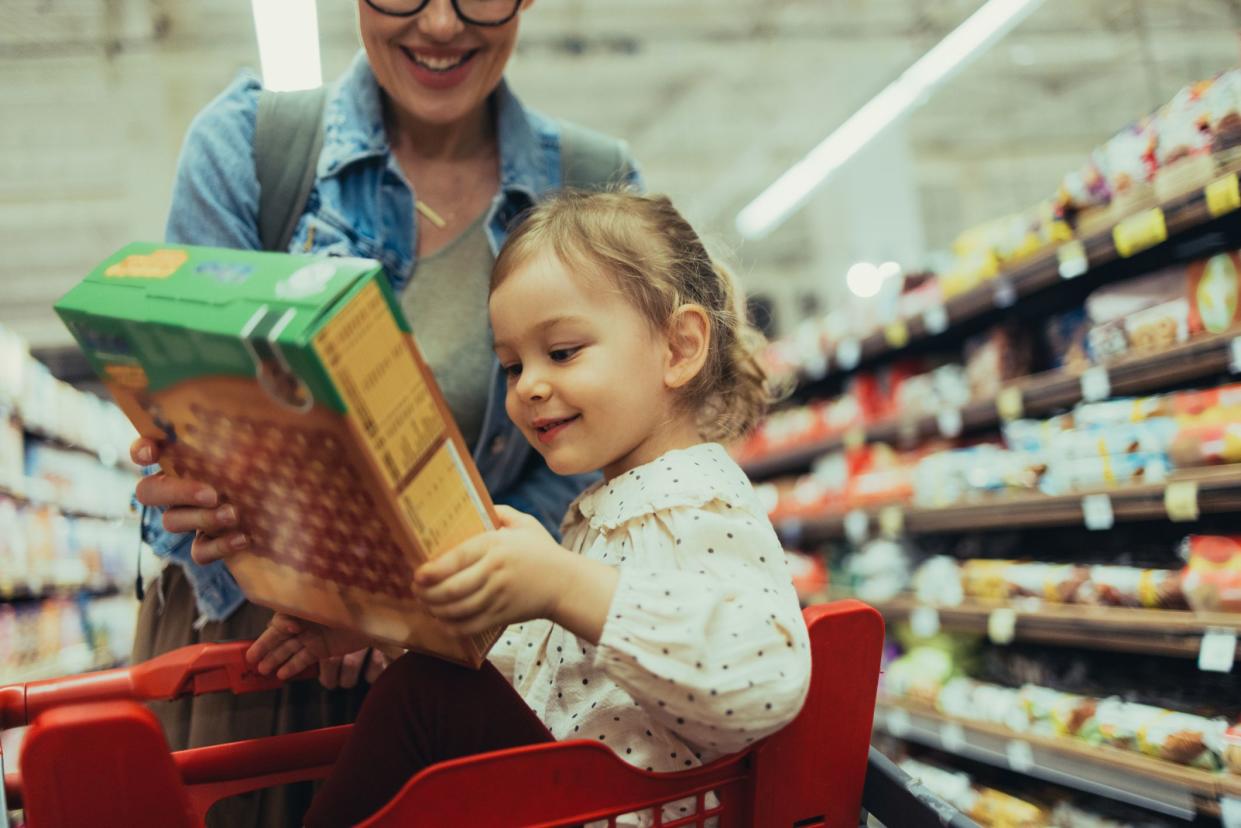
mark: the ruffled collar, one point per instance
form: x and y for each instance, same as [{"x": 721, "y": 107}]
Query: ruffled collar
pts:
[{"x": 690, "y": 477}]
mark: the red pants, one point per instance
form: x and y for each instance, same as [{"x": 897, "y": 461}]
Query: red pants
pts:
[{"x": 422, "y": 710}]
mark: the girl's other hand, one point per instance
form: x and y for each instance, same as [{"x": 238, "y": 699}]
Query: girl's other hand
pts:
[
  {"x": 189, "y": 506},
  {"x": 514, "y": 573}
]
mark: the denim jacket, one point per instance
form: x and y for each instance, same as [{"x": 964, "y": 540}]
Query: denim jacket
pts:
[{"x": 360, "y": 205}]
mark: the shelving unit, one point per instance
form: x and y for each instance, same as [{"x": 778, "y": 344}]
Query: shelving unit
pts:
[
  {"x": 1039, "y": 394},
  {"x": 1214, "y": 490},
  {"x": 1151, "y": 783},
  {"x": 1182, "y": 216},
  {"x": 1123, "y": 629}
]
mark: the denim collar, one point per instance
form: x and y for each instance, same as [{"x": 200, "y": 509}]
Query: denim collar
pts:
[{"x": 354, "y": 131}]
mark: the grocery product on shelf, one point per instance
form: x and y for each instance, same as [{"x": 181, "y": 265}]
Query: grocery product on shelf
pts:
[
  {"x": 68, "y": 535},
  {"x": 1212, "y": 575}
]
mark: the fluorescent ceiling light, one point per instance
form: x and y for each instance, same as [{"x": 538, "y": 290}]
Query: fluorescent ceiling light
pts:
[
  {"x": 288, "y": 35},
  {"x": 790, "y": 191}
]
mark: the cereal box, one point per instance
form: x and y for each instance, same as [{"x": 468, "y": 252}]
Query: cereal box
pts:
[{"x": 293, "y": 386}]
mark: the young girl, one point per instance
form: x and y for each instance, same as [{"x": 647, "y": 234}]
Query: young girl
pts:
[{"x": 666, "y": 626}]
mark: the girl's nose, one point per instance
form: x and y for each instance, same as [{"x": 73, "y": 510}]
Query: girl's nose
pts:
[{"x": 533, "y": 387}]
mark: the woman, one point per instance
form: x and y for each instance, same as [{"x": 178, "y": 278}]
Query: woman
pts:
[{"x": 427, "y": 158}]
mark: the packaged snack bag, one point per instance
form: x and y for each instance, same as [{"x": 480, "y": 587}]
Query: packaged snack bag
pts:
[
  {"x": 1214, "y": 286},
  {"x": 1212, "y": 575}
]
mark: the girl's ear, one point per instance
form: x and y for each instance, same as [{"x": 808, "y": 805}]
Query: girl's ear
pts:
[{"x": 689, "y": 338}]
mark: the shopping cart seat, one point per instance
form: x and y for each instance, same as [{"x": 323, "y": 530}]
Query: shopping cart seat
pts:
[{"x": 104, "y": 761}]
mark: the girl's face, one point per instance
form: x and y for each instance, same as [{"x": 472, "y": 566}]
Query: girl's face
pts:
[
  {"x": 586, "y": 372},
  {"x": 434, "y": 67}
]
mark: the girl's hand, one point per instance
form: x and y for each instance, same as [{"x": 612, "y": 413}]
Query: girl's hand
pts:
[
  {"x": 190, "y": 506},
  {"x": 512, "y": 574},
  {"x": 290, "y": 645}
]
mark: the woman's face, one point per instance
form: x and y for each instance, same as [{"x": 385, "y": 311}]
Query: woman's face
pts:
[{"x": 434, "y": 67}]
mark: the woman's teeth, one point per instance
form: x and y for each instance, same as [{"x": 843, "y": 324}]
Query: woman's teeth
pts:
[{"x": 439, "y": 64}]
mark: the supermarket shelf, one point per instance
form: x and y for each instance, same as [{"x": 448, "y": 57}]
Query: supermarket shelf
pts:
[
  {"x": 13, "y": 592},
  {"x": 1146, "y": 631},
  {"x": 70, "y": 661},
  {"x": 39, "y": 492},
  {"x": 1039, "y": 394},
  {"x": 1218, "y": 490},
  {"x": 1121, "y": 775},
  {"x": 1182, "y": 215}
]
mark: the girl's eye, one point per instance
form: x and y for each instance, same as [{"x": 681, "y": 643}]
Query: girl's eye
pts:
[
  {"x": 562, "y": 354},
  {"x": 512, "y": 371}
]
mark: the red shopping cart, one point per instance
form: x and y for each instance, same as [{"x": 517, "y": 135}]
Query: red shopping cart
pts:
[{"x": 95, "y": 756}]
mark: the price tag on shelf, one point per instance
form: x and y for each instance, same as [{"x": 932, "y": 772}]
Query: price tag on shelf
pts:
[
  {"x": 950, "y": 422},
  {"x": 1139, "y": 232},
  {"x": 898, "y": 722},
  {"x": 1180, "y": 500},
  {"x": 848, "y": 354},
  {"x": 857, "y": 526},
  {"x": 935, "y": 320},
  {"x": 952, "y": 737},
  {"x": 1072, "y": 258},
  {"x": 896, "y": 334},
  {"x": 1020, "y": 755},
  {"x": 1005, "y": 293},
  {"x": 1097, "y": 512},
  {"x": 1223, "y": 195},
  {"x": 1096, "y": 386},
  {"x": 1009, "y": 404},
  {"x": 1002, "y": 625},
  {"x": 854, "y": 438},
  {"x": 924, "y": 621},
  {"x": 1217, "y": 651},
  {"x": 892, "y": 522}
]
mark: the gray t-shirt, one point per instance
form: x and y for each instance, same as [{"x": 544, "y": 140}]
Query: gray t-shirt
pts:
[{"x": 446, "y": 303}]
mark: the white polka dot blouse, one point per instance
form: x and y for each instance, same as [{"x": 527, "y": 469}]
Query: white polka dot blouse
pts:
[{"x": 704, "y": 650}]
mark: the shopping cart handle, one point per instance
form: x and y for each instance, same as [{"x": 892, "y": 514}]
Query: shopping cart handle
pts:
[{"x": 187, "y": 671}]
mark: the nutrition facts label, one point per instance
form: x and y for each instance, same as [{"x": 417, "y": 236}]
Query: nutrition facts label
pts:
[{"x": 367, "y": 358}]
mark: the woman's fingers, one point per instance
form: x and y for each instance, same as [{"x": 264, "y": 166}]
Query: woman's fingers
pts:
[
  {"x": 330, "y": 672},
  {"x": 378, "y": 663},
  {"x": 281, "y": 653},
  {"x": 144, "y": 451},
  {"x": 211, "y": 521},
  {"x": 207, "y": 550},
  {"x": 296, "y": 665},
  {"x": 351, "y": 668},
  {"x": 268, "y": 640},
  {"x": 161, "y": 490}
]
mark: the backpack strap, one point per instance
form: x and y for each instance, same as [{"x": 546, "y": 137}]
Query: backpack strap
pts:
[
  {"x": 288, "y": 136},
  {"x": 591, "y": 160}
]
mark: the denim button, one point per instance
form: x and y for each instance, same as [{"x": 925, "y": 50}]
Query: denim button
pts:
[{"x": 498, "y": 444}]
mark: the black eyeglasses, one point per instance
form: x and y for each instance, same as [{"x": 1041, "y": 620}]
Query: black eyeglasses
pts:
[{"x": 474, "y": 12}]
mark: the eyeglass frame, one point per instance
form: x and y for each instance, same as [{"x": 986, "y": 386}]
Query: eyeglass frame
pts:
[{"x": 456, "y": 7}]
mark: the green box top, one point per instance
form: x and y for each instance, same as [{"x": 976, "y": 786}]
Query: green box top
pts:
[{"x": 215, "y": 290}]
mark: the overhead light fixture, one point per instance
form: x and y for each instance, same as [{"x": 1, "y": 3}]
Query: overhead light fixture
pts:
[
  {"x": 288, "y": 36},
  {"x": 791, "y": 190},
  {"x": 864, "y": 280}
]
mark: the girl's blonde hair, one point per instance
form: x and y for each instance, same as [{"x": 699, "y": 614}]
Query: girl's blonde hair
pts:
[{"x": 652, "y": 254}]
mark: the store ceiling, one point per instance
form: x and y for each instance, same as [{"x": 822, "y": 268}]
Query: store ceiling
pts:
[{"x": 716, "y": 98}]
